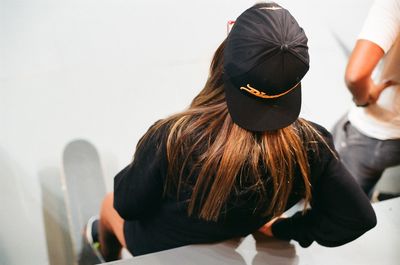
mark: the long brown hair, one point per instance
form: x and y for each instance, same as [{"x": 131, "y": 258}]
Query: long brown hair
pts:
[{"x": 224, "y": 154}]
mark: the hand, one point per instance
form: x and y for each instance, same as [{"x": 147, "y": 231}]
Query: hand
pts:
[
  {"x": 267, "y": 228},
  {"x": 376, "y": 90},
  {"x": 373, "y": 93}
]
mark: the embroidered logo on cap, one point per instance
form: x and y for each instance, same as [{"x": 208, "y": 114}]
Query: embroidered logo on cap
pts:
[{"x": 260, "y": 94}]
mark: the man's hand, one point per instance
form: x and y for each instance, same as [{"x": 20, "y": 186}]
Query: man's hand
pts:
[{"x": 376, "y": 90}]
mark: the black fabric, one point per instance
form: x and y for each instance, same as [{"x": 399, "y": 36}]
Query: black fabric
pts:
[
  {"x": 340, "y": 211},
  {"x": 267, "y": 50}
]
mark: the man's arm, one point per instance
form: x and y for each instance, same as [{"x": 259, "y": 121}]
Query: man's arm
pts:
[{"x": 363, "y": 60}]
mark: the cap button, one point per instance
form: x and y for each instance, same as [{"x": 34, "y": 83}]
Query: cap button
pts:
[{"x": 284, "y": 47}]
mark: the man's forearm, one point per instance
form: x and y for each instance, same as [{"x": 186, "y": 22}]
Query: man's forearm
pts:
[{"x": 363, "y": 60}]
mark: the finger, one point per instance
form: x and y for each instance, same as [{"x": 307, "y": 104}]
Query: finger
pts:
[{"x": 387, "y": 83}]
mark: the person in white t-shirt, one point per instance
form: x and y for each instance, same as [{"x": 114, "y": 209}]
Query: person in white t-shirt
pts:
[{"x": 368, "y": 138}]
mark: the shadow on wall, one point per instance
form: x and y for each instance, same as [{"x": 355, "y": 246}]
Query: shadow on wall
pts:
[
  {"x": 59, "y": 245},
  {"x": 20, "y": 234}
]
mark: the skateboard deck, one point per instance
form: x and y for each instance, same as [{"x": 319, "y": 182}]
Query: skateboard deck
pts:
[{"x": 84, "y": 190}]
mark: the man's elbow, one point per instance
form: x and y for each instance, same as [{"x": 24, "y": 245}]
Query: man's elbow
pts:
[{"x": 353, "y": 79}]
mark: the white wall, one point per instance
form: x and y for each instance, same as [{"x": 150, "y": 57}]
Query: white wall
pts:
[{"x": 105, "y": 70}]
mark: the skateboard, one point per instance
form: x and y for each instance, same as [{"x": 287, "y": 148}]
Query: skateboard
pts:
[{"x": 84, "y": 190}]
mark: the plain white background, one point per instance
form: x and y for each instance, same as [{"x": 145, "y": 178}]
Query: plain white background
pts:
[{"x": 105, "y": 70}]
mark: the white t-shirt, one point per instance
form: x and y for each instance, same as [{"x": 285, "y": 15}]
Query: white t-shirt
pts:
[{"x": 382, "y": 120}]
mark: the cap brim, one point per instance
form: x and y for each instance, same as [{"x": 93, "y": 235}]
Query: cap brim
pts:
[{"x": 258, "y": 114}]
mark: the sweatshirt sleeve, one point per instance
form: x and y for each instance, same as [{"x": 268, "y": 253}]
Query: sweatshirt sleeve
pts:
[
  {"x": 340, "y": 211},
  {"x": 138, "y": 188}
]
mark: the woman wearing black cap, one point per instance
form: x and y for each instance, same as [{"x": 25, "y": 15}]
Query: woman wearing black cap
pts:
[{"x": 238, "y": 157}]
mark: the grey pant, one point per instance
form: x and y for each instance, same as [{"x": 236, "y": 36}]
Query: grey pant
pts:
[{"x": 366, "y": 158}]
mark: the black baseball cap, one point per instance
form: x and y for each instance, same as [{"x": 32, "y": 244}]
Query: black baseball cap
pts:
[{"x": 265, "y": 58}]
